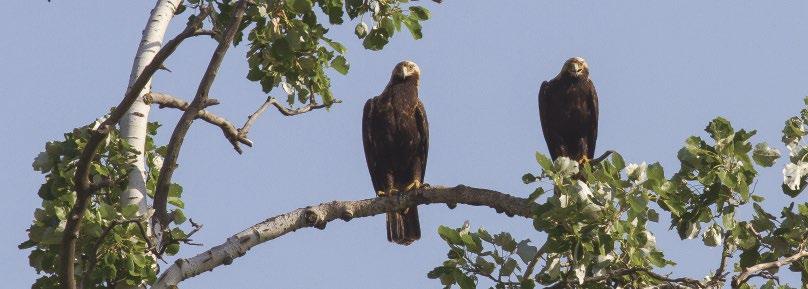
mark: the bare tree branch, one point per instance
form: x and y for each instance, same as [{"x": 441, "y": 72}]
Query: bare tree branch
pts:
[
  {"x": 719, "y": 276},
  {"x": 187, "y": 118},
  {"x": 271, "y": 101},
  {"x": 318, "y": 216},
  {"x": 84, "y": 188},
  {"x": 228, "y": 129},
  {"x": 752, "y": 271}
]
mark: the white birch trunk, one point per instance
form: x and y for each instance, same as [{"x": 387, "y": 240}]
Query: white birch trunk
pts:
[{"x": 133, "y": 124}]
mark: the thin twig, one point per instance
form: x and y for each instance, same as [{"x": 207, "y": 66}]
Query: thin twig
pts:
[
  {"x": 271, "y": 101},
  {"x": 725, "y": 255}
]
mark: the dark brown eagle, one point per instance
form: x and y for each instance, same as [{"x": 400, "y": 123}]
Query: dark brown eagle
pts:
[
  {"x": 568, "y": 108},
  {"x": 395, "y": 133}
]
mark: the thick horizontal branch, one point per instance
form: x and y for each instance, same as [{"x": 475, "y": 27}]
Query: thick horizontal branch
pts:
[
  {"x": 228, "y": 129},
  {"x": 749, "y": 272},
  {"x": 318, "y": 216}
]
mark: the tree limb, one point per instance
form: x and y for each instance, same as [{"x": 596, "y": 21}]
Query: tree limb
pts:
[
  {"x": 67, "y": 253},
  {"x": 228, "y": 129},
  {"x": 750, "y": 272},
  {"x": 187, "y": 118},
  {"x": 318, "y": 216}
]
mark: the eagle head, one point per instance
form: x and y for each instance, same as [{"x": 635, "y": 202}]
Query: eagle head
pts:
[
  {"x": 406, "y": 70},
  {"x": 576, "y": 67}
]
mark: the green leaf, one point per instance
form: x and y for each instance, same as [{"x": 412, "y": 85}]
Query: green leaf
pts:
[
  {"x": 179, "y": 216},
  {"x": 420, "y": 12},
  {"x": 177, "y": 202},
  {"x": 526, "y": 251},
  {"x": 338, "y": 47},
  {"x": 656, "y": 173},
  {"x": 414, "y": 26},
  {"x": 749, "y": 258},
  {"x": 528, "y": 178},
  {"x": 507, "y": 268},
  {"x": 527, "y": 284},
  {"x": 130, "y": 211},
  {"x": 465, "y": 282},
  {"x": 618, "y": 161},
  {"x": 653, "y": 216},
  {"x": 340, "y": 65},
  {"x": 719, "y": 128},
  {"x": 472, "y": 244},
  {"x": 26, "y": 245},
  {"x": 361, "y": 30},
  {"x": 450, "y": 235},
  {"x": 353, "y": 7},
  {"x": 299, "y": 6},
  {"x": 172, "y": 249},
  {"x": 388, "y": 26},
  {"x": 764, "y": 155},
  {"x": 545, "y": 162},
  {"x": 536, "y": 194},
  {"x": 175, "y": 190}
]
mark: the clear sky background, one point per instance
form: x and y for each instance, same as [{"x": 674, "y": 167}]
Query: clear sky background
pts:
[{"x": 662, "y": 71}]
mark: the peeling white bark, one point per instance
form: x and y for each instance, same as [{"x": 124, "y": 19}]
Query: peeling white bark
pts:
[
  {"x": 133, "y": 124},
  {"x": 318, "y": 216}
]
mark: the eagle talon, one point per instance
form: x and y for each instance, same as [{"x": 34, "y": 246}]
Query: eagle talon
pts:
[
  {"x": 416, "y": 184},
  {"x": 584, "y": 159},
  {"x": 381, "y": 193}
]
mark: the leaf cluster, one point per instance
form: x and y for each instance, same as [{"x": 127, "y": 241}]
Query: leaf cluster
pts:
[
  {"x": 112, "y": 241},
  {"x": 595, "y": 214},
  {"x": 288, "y": 43}
]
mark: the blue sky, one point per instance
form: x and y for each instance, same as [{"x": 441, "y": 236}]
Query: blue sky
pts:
[{"x": 662, "y": 70}]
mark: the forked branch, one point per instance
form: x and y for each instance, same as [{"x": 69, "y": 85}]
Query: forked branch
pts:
[{"x": 228, "y": 129}]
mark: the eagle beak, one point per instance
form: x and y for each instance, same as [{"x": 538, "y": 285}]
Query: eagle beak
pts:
[{"x": 406, "y": 71}]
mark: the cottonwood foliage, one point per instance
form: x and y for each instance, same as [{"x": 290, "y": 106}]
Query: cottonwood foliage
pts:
[
  {"x": 112, "y": 242},
  {"x": 597, "y": 234}
]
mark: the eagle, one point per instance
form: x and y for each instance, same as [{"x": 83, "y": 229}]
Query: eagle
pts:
[
  {"x": 395, "y": 134},
  {"x": 568, "y": 109}
]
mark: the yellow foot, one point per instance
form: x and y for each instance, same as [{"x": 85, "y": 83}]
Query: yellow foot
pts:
[
  {"x": 416, "y": 184},
  {"x": 381, "y": 193},
  {"x": 584, "y": 159}
]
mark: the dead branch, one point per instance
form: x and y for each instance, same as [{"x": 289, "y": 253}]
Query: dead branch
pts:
[{"x": 230, "y": 132}]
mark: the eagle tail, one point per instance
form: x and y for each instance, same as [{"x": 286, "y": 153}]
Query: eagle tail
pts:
[{"x": 403, "y": 227}]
